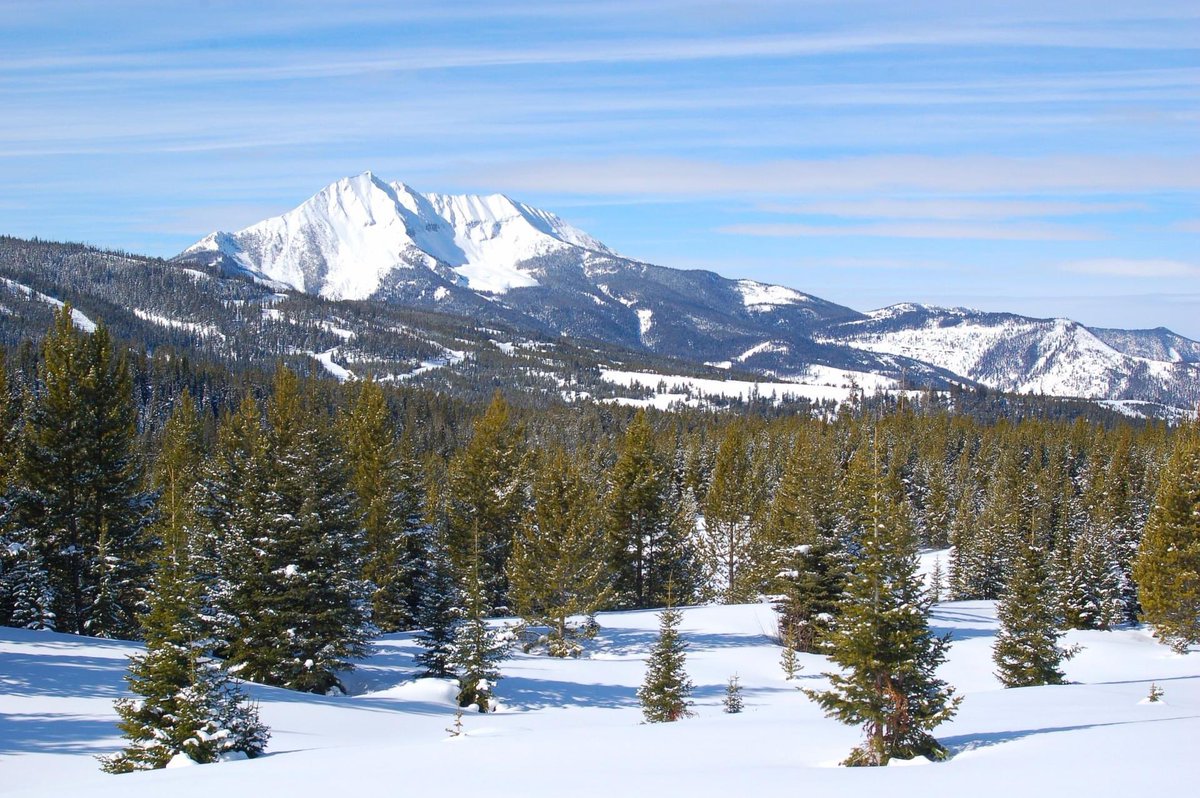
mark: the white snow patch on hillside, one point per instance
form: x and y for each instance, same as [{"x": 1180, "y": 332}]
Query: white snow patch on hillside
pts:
[
  {"x": 645, "y": 321},
  {"x": 1090, "y": 737},
  {"x": 692, "y": 390},
  {"x": 77, "y": 318},
  {"x": 338, "y": 371},
  {"x": 765, "y": 346},
  {"x": 206, "y": 330},
  {"x": 761, "y": 296}
]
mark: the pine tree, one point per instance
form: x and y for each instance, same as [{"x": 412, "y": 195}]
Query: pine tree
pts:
[
  {"x": 1167, "y": 568},
  {"x": 557, "y": 569},
  {"x": 811, "y": 570},
  {"x": 24, "y": 581},
  {"x": 174, "y": 475},
  {"x": 884, "y": 646},
  {"x": 733, "y": 703},
  {"x": 1026, "y": 652},
  {"x": 440, "y": 614},
  {"x": 387, "y": 496},
  {"x": 186, "y": 703},
  {"x": 666, "y": 690},
  {"x": 733, "y": 549},
  {"x": 78, "y": 475},
  {"x": 486, "y": 498},
  {"x": 478, "y": 649},
  {"x": 644, "y": 543},
  {"x": 289, "y": 605}
]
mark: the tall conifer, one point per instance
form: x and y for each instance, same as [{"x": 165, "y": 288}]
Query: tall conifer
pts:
[
  {"x": 1167, "y": 568},
  {"x": 884, "y": 646}
]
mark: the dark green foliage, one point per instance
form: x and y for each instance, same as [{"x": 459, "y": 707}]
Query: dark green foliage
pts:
[
  {"x": 1026, "y": 652},
  {"x": 285, "y": 543},
  {"x": 666, "y": 691},
  {"x": 558, "y": 568},
  {"x": 1167, "y": 569},
  {"x": 185, "y": 702},
  {"x": 387, "y": 497},
  {"x": 478, "y": 649},
  {"x": 811, "y": 572},
  {"x": 440, "y": 613},
  {"x": 78, "y": 483},
  {"x": 883, "y": 643},
  {"x": 486, "y": 500}
]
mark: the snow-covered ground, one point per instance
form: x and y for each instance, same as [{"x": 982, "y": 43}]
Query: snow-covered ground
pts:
[{"x": 574, "y": 727}]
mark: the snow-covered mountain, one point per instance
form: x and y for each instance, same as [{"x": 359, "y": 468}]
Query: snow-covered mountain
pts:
[
  {"x": 357, "y": 235},
  {"x": 1056, "y": 357},
  {"x": 494, "y": 259}
]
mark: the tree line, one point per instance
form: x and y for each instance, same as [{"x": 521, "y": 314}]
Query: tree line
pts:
[{"x": 305, "y": 517}]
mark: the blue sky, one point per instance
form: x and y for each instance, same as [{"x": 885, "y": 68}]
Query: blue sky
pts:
[{"x": 1039, "y": 157}]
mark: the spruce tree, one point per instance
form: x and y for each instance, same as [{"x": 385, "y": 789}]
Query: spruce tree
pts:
[
  {"x": 732, "y": 545},
  {"x": 644, "y": 545},
  {"x": 1167, "y": 568},
  {"x": 665, "y": 692},
  {"x": 440, "y": 613},
  {"x": 185, "y": 702},
  {"x": 478, "y": 649},
  {"x": 558, "y": 568},
  {"x": 486, "y": 499},
  {"x": 1026, "y": 651},
  {"x": 811, "y": 562},
  {"x": 388, "y": 499},
  {"x": 883, "y": 643},
  {"x": 290, "y": 607},
  {"x": 733, "y": 703},
  {"x": 78, "y": 474}
]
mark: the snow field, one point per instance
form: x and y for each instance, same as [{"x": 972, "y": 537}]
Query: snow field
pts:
[{"x": 574, "y": 726}]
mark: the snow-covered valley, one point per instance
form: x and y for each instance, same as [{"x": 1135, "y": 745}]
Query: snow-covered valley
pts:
[{"x": 575, "y": 727}]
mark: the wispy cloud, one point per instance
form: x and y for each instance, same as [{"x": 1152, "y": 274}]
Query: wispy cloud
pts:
[
  {"x": 948, "y": 208},
  {"x": 1121, "y": 267},
  {"x": 933, "y": 230},
  {"x": 970, "y": 174}
]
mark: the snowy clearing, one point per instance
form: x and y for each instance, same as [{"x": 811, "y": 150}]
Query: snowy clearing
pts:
[{"x": 575, "y": 725}]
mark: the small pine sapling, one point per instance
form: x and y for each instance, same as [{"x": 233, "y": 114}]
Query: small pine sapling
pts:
[
  {"x": 733, "y": 696},
  {"x": 787, "y": 660},
  {"x": 457, "y": 729},
  {"x": 1156, "y": 694},
  {"x": 665, "y": 692}
]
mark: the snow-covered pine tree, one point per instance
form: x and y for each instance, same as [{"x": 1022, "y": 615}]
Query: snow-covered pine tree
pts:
[
  {"x": 1167, "y": 568},
  {"x": 811, "y": 574},
  {"x": 289, "y": 605},
  {"x": 1026, "y": 651},
  {"x": 882, "y": 641},
  {"x": 557, "y": 569},
  {"x": 24, "y": 582},
  {"x": 666, "y": 691},
  {"x": 185, "y": 702},
  {"x": 733, "y": 702},
  {"x": 478, "y": 649},
  {"x": 440, "y": 613},
  {"x": 78, "y": 474}
]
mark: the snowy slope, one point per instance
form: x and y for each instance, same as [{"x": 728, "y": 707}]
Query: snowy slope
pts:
[
  {"x": 1056, "y": 357},
  {"x": 574, "y": 726}
]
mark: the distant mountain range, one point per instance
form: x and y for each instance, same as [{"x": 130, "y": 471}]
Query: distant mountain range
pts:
[{"x": 498, "y": 260}]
